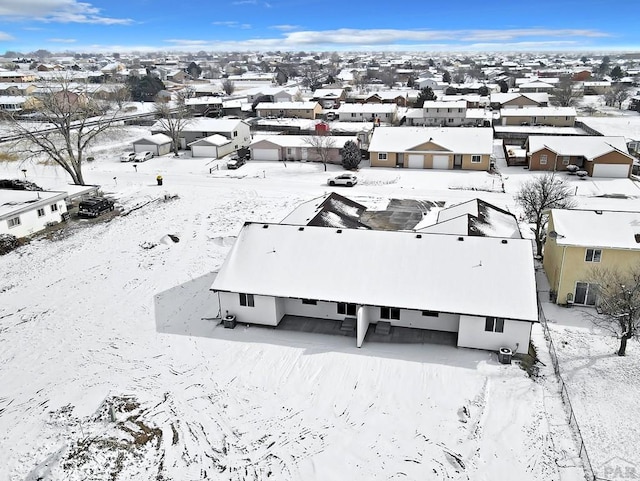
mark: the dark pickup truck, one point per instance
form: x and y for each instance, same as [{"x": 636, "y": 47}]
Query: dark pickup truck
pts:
[{"x": 94, "y": 206}]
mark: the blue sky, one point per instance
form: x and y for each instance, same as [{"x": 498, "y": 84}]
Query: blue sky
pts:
[{"x": 212, "y": 25}]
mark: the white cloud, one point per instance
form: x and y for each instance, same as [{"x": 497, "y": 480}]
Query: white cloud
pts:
[
  {"x": 233, "y": 24},
  {"x": 59, "y": 11},
  {"x": 286, "y": 28},
  {"x": 62, "y": 40},
  {"x": 5, "y": 36}
]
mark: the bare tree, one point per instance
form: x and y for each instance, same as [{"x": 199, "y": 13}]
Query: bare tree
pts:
[
  {"x": 173, "y": 120},
  {"x": 321, "y": 146},
  {"x": 537, "y": 196},
  {"x": 618, "y": 303},
  {"x": 75, "y": 121},
  {"x": 618, "y": 94},
  {"x": 564, "y": 95},
  {"x": 228, "y": 86}
]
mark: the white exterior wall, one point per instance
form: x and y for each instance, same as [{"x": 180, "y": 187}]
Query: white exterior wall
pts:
[
  {"x": 322, "y": 310},
  {"x": 265, "y": 310},
  {"x": 472, "y": 334},
  {"x": 243, "y": 139},
  {"x": 415, "y": 319},
  {"x": 362, "y": 324},
  {"x": 30, "y": 223}
]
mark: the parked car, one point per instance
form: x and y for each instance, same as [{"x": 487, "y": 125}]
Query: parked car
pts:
[
  {"x": 143, "y": 156},
  {"x": 95, "y": 206},
  {"x": 345, "y": 179},
  {"x": 236, "y": 163},
  {"x": 127, "y": 157}
]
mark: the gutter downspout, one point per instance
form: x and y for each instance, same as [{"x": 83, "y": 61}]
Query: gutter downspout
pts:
[{"x": 564, "y": 251}]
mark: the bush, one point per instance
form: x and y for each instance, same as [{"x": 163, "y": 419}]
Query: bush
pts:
[
  {"x": 8, "y": 242},
  {"x": 351, "y": 155}
]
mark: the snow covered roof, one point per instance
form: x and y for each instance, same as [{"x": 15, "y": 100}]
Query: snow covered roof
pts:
[
  {"x": 502, "y": 98},
  {"x": 327, "y": 93},
  {"x": 587, "y": 146},
  {"x": 157, "y": 139},
  {"x": 287, "y": 105},
  {"x": 477, "y": 140},
  {"x": 479, "y": 276},
  {"x": 597, "y": 228},
  {"x": 332, "y": 210},
  {"x": 215, "y": 139},
  {"x": 205, "y": 125},
  {"x": 367, "y": 108},
  {"x": 301, "y": 140},
  {"x": 14, "y": 202},
  {"x": 449, "y": 104}
]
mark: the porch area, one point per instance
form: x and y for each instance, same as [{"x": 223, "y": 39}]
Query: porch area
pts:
[{"x": 397, "y": 334}]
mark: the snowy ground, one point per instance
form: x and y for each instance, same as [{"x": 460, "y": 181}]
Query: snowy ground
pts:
[{"x": 116, "y": 314}]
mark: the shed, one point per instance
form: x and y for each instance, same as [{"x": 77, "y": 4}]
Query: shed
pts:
[
  {"x": 215, "y": 146},
  {"x": 158, "y": 144}
]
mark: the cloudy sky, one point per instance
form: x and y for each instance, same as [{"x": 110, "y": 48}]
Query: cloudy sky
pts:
[{"x": 334, "y": 25}]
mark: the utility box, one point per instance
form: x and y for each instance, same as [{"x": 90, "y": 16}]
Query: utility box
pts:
[
  {"x": 504, "y": 355},
  {"x": 229, "y": 321}
]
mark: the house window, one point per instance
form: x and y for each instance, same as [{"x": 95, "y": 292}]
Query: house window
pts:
[
  {"x": 586, "y": 294},
  {"x": 346, "y": 309},
  {"x": 494, "y": 324},
  {"x": 353, "y": 114},
  {"x": 235, "y": 133},
  {"x": 593, "y": 255},
  {"x": 289, "y": 150},
  {"x": 450, "y": 121},
  {"x": 476, "y": 159},
  {"x": 543, "y": 159},
  {"x": 430, "y": 313},
  {"x": 565, "y": 160},
  {"x": 390, "y": 313},
  {"x": 246, "y": 300},
  {"x": 13, "y": 222},
  {"x": 40, "y": 212},
  {"x": 382, "y": 156},
  {"x": 54, "y": 207},
  {"x": 310, "y": 302}
]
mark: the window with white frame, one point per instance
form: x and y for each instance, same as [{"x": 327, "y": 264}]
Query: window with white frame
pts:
[
  {"x": 41, "y": 212},
  {"x": 565, "y": 160},
  {"x": 476, "y": 159},
  {"x": 13, "y": 221},
  {"x": 310, "y": 302},
  {"x": 390, "y": 313},
  {"x": 246, "y": 300},
  {"x": 346, "y": 309},
  {"x": 382, "y": 156},
  {"x": 543, "y": 159},
  {"x": 431, "y": 313},
  {"x": 54, "y": 207},
  {"x": 494, "y": 324},
  {"x": 593, "y": 255}
]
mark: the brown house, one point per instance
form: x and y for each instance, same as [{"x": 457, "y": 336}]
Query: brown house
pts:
[
  {"x": 549, "y": 116},
  {"x": 598, "y": 156},
  {"x": 302, "y": 110}
]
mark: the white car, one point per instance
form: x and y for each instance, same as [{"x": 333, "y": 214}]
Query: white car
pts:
[
  {"x": 127, "y": 157},
  {"x": 143, "y": 156},
  {"x": 345, "y": 179}
]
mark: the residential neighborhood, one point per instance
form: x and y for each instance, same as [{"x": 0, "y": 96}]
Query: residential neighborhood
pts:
[{"x": 290, "y": 264}]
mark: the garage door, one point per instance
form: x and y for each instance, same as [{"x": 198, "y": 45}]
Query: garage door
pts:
[
  {"x": 440, "y": 161},
  {"x": 265, "y": 154},
  {"x": 204, "y": 151},
  {"x": 415, "y": 161},
  {"x": 611, "y": 170}
]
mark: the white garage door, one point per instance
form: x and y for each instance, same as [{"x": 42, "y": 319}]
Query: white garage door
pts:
[
  {"x": 265, "y": 154},
  {"x": 204, "y": 151},
  {"x": 611, "y": 170},
  {"x": 440, "y": 161},
  {"x": 415, "y": 161}
]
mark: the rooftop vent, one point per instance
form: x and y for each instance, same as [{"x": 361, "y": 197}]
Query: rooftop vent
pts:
[
  {"x": 265, "y": 226},
  {"x": 300, "y": 228},
  {"x": 418, "y": 236},
  {"x": 637, "y": 236},
  {"x": 339, "y": 231},
  {"x": 504, "y": 241},
  {"x": 599, "y": 212},
  {"x": 460, "y": 238}
]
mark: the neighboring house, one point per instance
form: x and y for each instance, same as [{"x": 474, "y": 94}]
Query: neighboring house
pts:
[
  {"x": 301, "y": 110},
  {"x": 480, "y": 289},
  {"x": 599, "y": 156},
  {"x": 26, "y": 212},
  {"x": 473, "y": 101},
  {"x": 579, "y": 240},
  {"x": 8, "y": 88},
  {"x": 518, "y": 100},
  {"x": 157, "y": 144},
  {"x": 387, "y": 113},
  {"x": 399, "y": 98},
  {"x": 205, "y": 106},
  {"x": 273, "y": 94},
  {"x": 536, "y": 86},
  {"x": 18, "y": 76},
  {"x": 431, "y": 148},
  {"x": 550, "y": 116},
  {"x": 234, "y": 129},
  {"x": 439, "y": 113},
  {"x": 331, "y": 210},
  {"x": 215, "y": 146},
  {"x": 329, "y": 98},
  {"x": 596, "y": 87},
  {"x": 476, "y": 218},
  {"x": 12, "y": 103},
  {"x": 296, "y": 147}
]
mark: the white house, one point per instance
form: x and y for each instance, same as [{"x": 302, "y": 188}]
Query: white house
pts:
[
  {"x": 297, "y": 147},
  {"x": 481, "y": 288},
  {"x": 387, "y": 113},
  {"x": 215, "y": 146},
  {"x": 158, "y": 144},
  {"x": 235, "y": 130},
  {"x": 25, "y": 212}
]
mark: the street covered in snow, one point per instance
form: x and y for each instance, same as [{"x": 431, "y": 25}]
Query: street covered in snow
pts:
[{"x": 114, "y": 365}]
